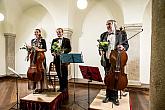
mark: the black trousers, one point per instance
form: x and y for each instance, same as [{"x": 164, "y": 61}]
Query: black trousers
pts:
[
  {"x": 112, "y": 94},
  {"x": 62, "y": 72}
]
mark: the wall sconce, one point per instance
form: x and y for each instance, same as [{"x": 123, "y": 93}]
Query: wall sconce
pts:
[
  {"x": 1, "y": 17},
  {"x": 82, "y": 4}
]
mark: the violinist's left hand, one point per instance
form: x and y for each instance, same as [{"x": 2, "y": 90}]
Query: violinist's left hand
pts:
[{"x": 120, "y": 47}]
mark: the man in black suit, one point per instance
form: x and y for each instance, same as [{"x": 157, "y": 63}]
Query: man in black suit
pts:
[
  {"x": 114, "y": 37},
  {"x": 61, "y": 68}
]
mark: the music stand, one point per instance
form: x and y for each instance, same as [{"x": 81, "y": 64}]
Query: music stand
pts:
[
  {"x": 90, "y": 73},
  {"x": 72, "y": 58},
  {"x": 17, "y": 76}
]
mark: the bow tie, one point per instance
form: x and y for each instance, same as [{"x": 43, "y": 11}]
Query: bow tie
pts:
[{"x": 59, "y": 38}]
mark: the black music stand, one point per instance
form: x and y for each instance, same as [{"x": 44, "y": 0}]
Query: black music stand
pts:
[
  {"x": 90, "y": 73},
  {"x": 17, "y": 76},
  {"x": 72, "y": 58}
]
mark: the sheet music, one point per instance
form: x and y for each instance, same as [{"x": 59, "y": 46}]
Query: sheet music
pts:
[
  {"x": 12, "y": 70},
  {"x": 71, "y": 58}
]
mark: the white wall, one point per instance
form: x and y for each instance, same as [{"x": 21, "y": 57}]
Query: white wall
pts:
[
  {"x": 12, "y": 12},
  {"x": 132, "y": 10},
  {"x": 58, "y": 9},
  {"x": 2, "y": 51},
  {"x": 93, "y": 27},
  {"x": 2, "y": 43}
]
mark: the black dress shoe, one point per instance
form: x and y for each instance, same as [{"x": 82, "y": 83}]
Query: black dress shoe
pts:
[
  {"x": 116, "y": 102},
  {"x": 106, "y": 100},
  {"x": 37, "y": 91}
]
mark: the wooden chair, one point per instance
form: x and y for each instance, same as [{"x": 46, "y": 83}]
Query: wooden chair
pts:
[{"x": 52, "y": 75}]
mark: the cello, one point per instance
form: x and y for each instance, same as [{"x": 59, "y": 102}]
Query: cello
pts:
[
  {"x": 36, "y": 68},
  {"x": 116, "y": 77}
]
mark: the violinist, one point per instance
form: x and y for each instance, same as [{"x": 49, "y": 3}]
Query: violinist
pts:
[
  {"x": 37, "y": 48},
  {"x": 61, "y": 45},
  {"x": 113, "y": 37}
]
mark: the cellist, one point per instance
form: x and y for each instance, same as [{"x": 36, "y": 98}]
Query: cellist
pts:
[
  {"x": 113, "y": 37},
  {"x": 38, "y": 44}
]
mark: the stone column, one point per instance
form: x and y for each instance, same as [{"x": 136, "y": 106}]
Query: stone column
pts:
[
  {"x": 157, "y": 77},
  {"x": 68, "y": 33},
  {"x": 9, "y": 51},
  {"x": 133, "y": 64}
]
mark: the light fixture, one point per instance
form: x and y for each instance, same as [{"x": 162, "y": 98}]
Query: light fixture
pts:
[
  {"x": 82, "y": 4},
  {"x": 1, "y": 17}
]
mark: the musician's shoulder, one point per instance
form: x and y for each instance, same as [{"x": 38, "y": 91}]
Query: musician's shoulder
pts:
[
  {"x": 120, "y": 31},
  {"x": 55, "y": 39},
  {"x": 117, "y": 31},
  {"x": 33, "y": 39},
  {"x": 42, "y": 39},
  {"x": 104, "y": 33},
  {"x": 123, "y": 31},
  {"x": 66, "y": 38}
]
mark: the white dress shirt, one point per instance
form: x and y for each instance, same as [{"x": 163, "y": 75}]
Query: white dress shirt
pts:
[
  {"x": 111, "y": 46},
  {"x": 60, "y": 41}
]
